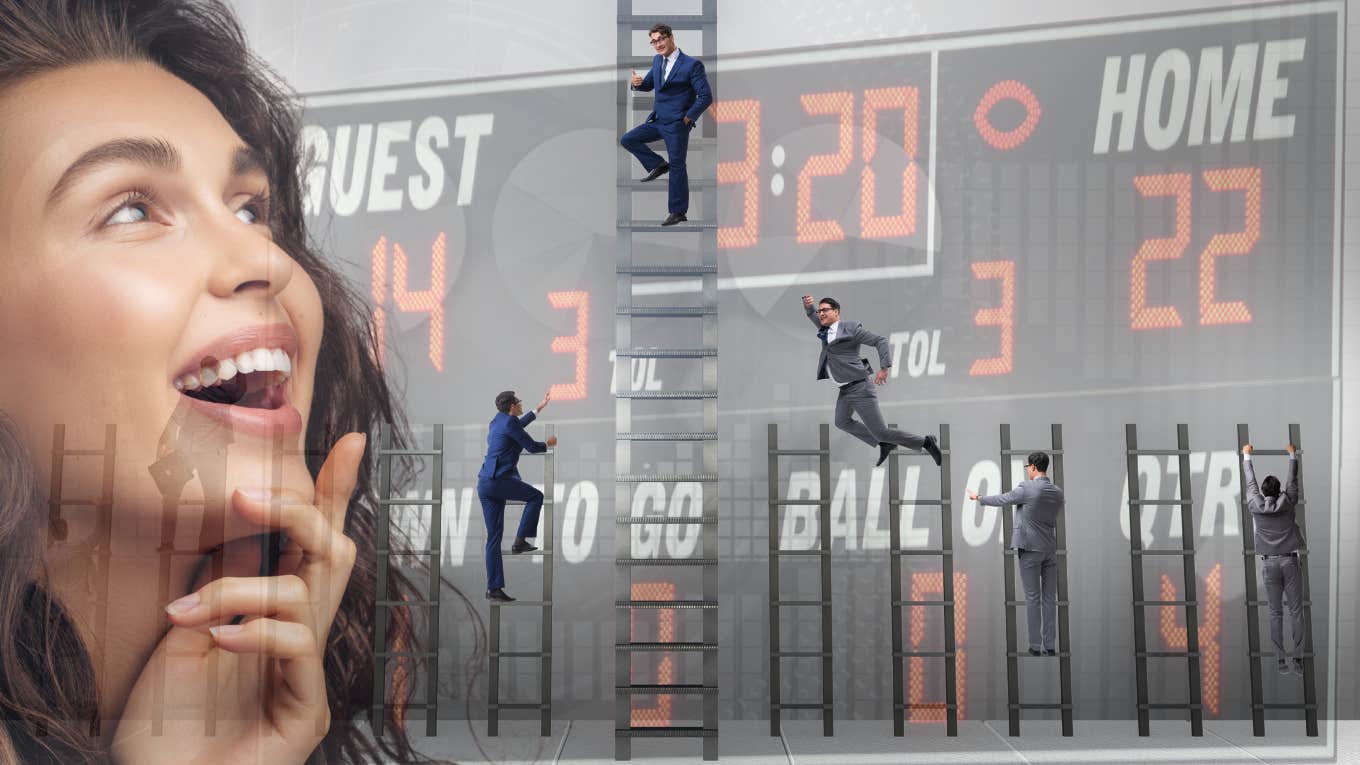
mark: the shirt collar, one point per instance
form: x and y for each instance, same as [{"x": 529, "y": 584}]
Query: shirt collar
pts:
[
  {"x": 675, "y": 54},
  {"x": 835, "y": 327}
]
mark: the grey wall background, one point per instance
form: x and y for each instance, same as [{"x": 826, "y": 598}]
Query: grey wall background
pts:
[{"x": 343, "y": 44}]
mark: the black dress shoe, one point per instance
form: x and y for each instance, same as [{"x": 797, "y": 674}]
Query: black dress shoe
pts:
[
  {"x": 883, "y": 451},
  {"x": 934, "y": 450},
  {"x": 660, "y": 170},
  {"x": 1297, "y": 667},
  {"x": 521, "y": 547},
  {"x": 673, "y": 219},
  {"x": 1050, "y": 652},
  {"x": 1035, "y": 652},
  {"x": 499, "y": 595}
]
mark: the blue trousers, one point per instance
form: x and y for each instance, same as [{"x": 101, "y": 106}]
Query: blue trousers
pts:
[
  {"x": 676, "y": 136},
  {"x": 493, "y": 493}
]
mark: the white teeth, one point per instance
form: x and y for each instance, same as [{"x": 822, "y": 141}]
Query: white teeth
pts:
[{"x": 248, "y": 362}]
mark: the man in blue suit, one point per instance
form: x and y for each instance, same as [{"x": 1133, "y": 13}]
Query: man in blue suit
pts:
[
  {"x": 1038, "y": 503},
  {"x": 682, "y": 94},
  {"x": 499, "y": 481}
]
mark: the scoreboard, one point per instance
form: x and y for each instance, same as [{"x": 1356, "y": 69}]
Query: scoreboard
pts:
[{"x": 1126, "y": 221}]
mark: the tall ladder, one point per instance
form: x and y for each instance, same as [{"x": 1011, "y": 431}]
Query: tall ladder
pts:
[
  {"x": 1187, "y": 554},
  {"x": 97, "y": 545},
  {"x": 384, "y": 602},
  {"x": 494, "y": 705},
  {"x": 630, "y": 107},
  {"x": 901, "y": 707},
  {"x": 1013, "y": 652},
  {"x": 823, "y": 601},
  {"x": 1254, "y": 602}
]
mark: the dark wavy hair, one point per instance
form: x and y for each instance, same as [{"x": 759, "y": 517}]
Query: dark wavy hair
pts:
[{"x": 48, "y": 697}]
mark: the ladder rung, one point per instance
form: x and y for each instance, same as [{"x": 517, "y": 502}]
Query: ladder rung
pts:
[
  {"x": 1259, "y": 603},
  {"x": 1011, "y": 552},
  {"x": 700, "y": 270},
  {"x": 82, "y": 452},
  {"x": 655, "y": 646},
  {"x": 666, "y": 353},
  {"x": 649, "y": 225},
  {"x": 1028, "y": 655},
  {"x": 801, "y": 654},
  {"x": 782, "y": 603},
  {"x": 1138, "y": 553},
  {"x": 409, "y": 452},
  {"x": 1027, "y": 452},
  {"x": 404, "y": 706},
  {"x": 682, "y": 604},
  {"x": 1015, "y": 603},
  {"x": 524, "y": 603},
  {"x": 1166, "y": 654},
  {"x": 800, "y": 552},
  {"x": 923, "y": 602},
  {"x": 521, "y": 654},
  {"x": 530, "y": 554},
  {"x": 948, "y": 553},
  {"x": 801, "y": 705},
  {"x": 1252, "y": 553},
  {"x": 923, "y": 654},
  {"x": 407, "y": 654},
  {"x": 797, "y": 452},
  {"x": 419, "y": 502},
  {"x": 1285, "y": 705},
  {"x": 1157, "y": 452},
  {"x": 920, "y": 502},
  {"x": 666, "y": 690},
  {"x": 665, "y": 561},
  {"x": 674, "y": 395},
  {"x": 1040, "y": 705},
  {"x": 408, "y": 552},
  {"x": 669, "y": 731},
  {"x": 638, "y": 184},
  {"x": 1161, "y": 502},
  {"x": 1171, "y": 705},
  {"x": 667, "y": 311},
  {"x": 1271, "y": 655},
  {"x": 666, "y": 436},
  {"x": 518, "y": 705},
  {"x": 665, "y": 520},
  {"x": 1153, "y": 603},
  {"x": 925, "y": 705},
  {"x": 419, "y": 603},
  {"x": 1272, "y": 452},
  {"x": 799, "y": 502},
  {"x": 671, "y": 478},
  {"x": 642, "y": 22}
]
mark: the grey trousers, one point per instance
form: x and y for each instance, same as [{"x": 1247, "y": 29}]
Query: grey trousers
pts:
[
  {"x": 1039, "y": 574},
  {"x": 860, "y": 398},
  {"x": 1284, "y": 579}
]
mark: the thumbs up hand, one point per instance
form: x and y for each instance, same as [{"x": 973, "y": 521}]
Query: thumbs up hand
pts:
[{"x": 637, "y": 79}]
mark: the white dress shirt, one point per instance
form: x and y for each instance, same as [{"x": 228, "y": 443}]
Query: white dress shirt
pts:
[
  {"x": 831, "y": 338},
  {"x": 668, "y": 63}
]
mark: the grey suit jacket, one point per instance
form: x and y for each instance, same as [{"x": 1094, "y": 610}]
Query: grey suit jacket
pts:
[
  {"x": 841, "y": 356},
  {"x": 1036, "y": 517},
  {"x": 1276, "y": 531}
]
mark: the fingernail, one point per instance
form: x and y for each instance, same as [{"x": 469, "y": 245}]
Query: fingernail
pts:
[
  {"x": 226, "y": 630},
  {"x": 255, "y": 494},
  {"x": 184, "y": 604}
]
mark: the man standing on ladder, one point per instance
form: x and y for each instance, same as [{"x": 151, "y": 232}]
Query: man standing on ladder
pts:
[
  {"x": 682, "y": 94},
  {"x": 499, "y": 481},
  {"x": 841, "y": 364},
  {"x": 1278, "y": 541},
  {"x": 1035, "y": 541}
]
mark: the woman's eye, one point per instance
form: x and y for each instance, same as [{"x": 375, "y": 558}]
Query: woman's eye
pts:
[
  {"x": 132, "y": 212},
  {"x": 247, "y": 215}
]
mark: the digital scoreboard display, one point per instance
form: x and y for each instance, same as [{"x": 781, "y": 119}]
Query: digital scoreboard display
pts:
[{"x": 1127, "y": 221}]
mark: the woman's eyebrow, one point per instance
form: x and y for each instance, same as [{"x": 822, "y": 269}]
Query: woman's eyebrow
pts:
[{"x": 155, "y": 153}]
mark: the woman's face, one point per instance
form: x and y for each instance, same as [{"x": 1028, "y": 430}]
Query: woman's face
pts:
[{"x": 135, "y": 255}]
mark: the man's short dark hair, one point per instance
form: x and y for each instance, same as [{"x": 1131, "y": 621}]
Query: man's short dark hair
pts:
[
  {"x": 506, "y": 399},
  {"x": 664, "y": 29},
  {"x": 1039, "y": 460},
  {"x": 1271, "y": 486},
  {"x": 831, "y": 302}
]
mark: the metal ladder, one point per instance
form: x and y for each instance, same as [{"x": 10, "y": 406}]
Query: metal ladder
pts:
[
  {"x": 1013, "y": 652},
  {"x": 1253, "y": 601},
  {"x": 1186, "y": 552},
  {"x": 706, "y": 272},
  {"x": 494, "y": 705},
  {"x": 98, "y": 543},
  {"x": 946, "y": 554},
  {"x": 823, "y": 601},
  {"x": 385, "y": 451}
]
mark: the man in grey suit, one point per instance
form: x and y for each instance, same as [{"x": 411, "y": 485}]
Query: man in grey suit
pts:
[
  {"x": 841, "y": 364},
  {"x": 1038, "y": 503},
  {"x": 1278, "y": 541}
]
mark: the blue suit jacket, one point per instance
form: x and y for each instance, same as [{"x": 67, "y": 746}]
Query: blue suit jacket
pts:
[
  {"x": 685, "y": 93},
  {"x": 504, "y": 443}
]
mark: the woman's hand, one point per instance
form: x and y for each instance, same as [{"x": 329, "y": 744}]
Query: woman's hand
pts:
[{"x": 259, "y": 686}]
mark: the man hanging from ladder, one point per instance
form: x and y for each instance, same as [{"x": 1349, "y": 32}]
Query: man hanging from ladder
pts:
[
  {"x": 1278, "y": 541},
  {"x": 499, "y": 481},
  {"x": 841, "y": 364},
  {"x": 1035, "y": 541}
]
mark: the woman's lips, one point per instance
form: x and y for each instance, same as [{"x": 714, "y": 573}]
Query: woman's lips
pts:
[{"x": 283, "y": 420}]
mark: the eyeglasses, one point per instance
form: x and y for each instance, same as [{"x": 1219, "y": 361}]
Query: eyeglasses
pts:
[
  {"x": 825, "y": 310},
  {"x": 659, "y": 40}
]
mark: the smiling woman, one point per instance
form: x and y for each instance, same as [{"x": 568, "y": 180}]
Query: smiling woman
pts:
[{"x": 157, "y": 278}]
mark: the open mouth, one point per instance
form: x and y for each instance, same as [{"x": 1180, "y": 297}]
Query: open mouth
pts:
[{"x": 253, "y": 379}]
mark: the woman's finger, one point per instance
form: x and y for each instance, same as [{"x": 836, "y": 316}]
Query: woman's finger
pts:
[
  {"x": 292, "y": 643},
  {"x": 338, "y": 475},
  {"x": 306, "y": 526},
  {"x": 283, "y": 596}
]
